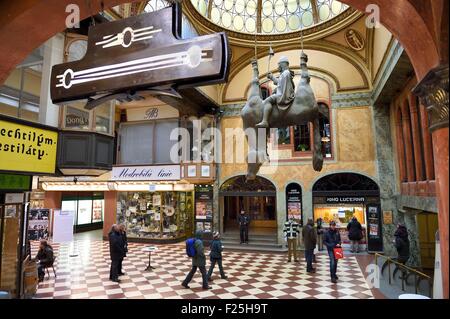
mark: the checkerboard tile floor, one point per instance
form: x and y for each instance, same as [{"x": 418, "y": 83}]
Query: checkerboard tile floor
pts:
[{"x": 251, "y": 275}]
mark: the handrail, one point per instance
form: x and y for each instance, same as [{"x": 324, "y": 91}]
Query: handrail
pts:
[
  {"x": 402, "y": 266},
  {"x": 413, "y": 271}
]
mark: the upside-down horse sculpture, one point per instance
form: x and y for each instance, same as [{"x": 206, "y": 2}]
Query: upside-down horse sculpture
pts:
[{"x": 285, "y": 107}]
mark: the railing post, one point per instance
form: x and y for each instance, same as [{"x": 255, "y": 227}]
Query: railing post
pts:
[
  {"x": 389, "y": 270},
  {"x": 416, "y": 283}
]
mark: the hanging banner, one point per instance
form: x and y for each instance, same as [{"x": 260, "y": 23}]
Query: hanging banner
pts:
[
  {"x": 38, "y": 223},
  {"x": 139, "y": 53},
  {"x": 27, "y": 147},
  {"x": 374, "y": 228}
]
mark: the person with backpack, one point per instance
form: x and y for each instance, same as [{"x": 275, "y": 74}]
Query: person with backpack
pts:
[
  {"x": 215, "y": 256},
  {"x": 196, "y": 250},
  {"x": 354, "y": 229},
  {"x": 332, "y": 240}
]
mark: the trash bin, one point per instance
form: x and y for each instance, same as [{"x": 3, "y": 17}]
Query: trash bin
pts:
[{"x": 5, "y": 295}]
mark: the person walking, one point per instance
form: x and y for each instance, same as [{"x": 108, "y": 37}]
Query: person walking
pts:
[
  {"x": 319, "y": 223},
  {"x": 332, "y": 239},
  {"x": 244, "y": 223},
  {"x": 355, "y": 234},
  {"x": 215, "y": 256},
  {"x": 291, "y": 232},
  {"x": 402, "y": 244},
  {"x": 44, "y": 257},
  {"x": 198, "y": 261},
  {"x": 123, "y": 234},
  {"x": 116, "y": 251},
  {"x": 310, "y": 241}
]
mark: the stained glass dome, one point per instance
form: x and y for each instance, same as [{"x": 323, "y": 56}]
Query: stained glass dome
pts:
[{"x": 268, "y": 16}]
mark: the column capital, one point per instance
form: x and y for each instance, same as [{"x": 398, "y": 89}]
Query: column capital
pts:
[{"x": 433, "y": 91}]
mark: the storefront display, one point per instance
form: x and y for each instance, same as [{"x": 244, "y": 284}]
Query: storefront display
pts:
[
  {"x": 158, "y": 215},
  {"x": 38, "y": 222},
  {"x": 88, "y": 209}
]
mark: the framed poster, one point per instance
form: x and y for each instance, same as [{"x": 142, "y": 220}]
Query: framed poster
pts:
[
  {"x": 38, "y": 223},
  {"x": 294, "y": 203},
  {"x": 206, "y": 171},
  {"x": 374, "y": 228},
  {"x": 387, "y": 217}
]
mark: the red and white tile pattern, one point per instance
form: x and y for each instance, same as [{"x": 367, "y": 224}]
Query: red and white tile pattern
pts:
[{"x": 251, "y": 275}]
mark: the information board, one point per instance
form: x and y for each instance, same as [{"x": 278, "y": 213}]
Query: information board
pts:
[{"x": 374, "y": 228}]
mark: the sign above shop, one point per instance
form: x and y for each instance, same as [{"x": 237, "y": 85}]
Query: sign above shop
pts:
[
  {"x": 152, "y": 113},
  {"x": 344, "y": 200},
  {"x": 146, "y": 173},
  {"x": 27, "y": 147},
  {"x": 144, "y": 52}
]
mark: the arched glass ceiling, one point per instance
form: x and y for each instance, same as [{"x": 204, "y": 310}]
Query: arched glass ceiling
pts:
[{"x": 268, "y": 16}]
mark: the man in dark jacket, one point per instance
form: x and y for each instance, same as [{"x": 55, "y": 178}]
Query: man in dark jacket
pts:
[
  {"x": 215, "y": 256},
  {"x": 116, "y": 251},
  {"x": 198, "y": 261},
  {"x": 402, "y": 244},
  {"x": 244, "y": 222},
  {"x": 332, "y": 240},
  {"x": 310, "y": 241},
  {"x": 354, "y": 229},
  {"x": 123, "y": 234},
  {"x": 319, "y": 222},
  {"x": 44, "y": 258}
]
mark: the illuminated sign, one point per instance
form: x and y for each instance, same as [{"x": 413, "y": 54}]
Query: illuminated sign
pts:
[{"x": 25, "y": 148}]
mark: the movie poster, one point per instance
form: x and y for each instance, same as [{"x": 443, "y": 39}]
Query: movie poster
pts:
[{"x": 38, "y": 223}]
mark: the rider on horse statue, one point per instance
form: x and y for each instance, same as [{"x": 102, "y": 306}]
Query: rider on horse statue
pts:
[{"x": 283, "y": 95}]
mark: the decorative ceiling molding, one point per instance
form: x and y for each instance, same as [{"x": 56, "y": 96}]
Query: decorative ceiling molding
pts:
[{"x": 320, "y": 30}]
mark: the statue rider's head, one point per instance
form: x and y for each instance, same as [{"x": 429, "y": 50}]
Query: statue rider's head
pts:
[{"x": 283, "y": 64}]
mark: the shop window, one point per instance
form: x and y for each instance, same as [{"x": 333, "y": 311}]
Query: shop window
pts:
[
  {"x": 77, "y": 118},
  {"x": 147, "y": 143},
  {"x": 88, "y": 208},
  {"x": 156, "y": 215}
]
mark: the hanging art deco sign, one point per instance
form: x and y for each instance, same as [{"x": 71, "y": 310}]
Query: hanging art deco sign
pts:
[{"x": 139, "y": 53}]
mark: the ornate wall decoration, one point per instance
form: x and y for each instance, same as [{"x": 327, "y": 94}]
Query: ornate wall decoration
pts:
[
  {"x": 433, "y": 91},
  {"x": 354, "y": 39}
]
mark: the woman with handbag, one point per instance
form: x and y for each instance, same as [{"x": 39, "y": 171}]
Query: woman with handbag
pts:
[{"x": 332, "y": 241}]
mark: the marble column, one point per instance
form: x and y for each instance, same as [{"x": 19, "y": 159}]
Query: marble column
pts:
[
  {"x": 416, "y": 137},
  {"x": 427, "y": 143},
  {"x": 386, "y": 173},
  {"x": 433, "y": 90},
  {"x": 407, "y": 138},
  {"x": 400, "y": 147}
]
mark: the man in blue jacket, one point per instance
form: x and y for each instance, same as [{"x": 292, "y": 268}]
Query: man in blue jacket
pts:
[{"x": 332, "y": 240}]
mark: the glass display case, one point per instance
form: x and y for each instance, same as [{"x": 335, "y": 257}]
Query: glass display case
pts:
[{"x": 166, "y": 215}]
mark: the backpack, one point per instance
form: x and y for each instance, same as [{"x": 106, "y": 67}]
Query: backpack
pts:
[{"x": 190, "y": 247}]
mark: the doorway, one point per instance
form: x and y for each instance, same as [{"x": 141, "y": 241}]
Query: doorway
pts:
[
  {"x": 427, "y": 225},
  {"x": 257, "y": 198}
]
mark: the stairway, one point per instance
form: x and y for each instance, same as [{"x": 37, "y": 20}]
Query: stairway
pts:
[{"x": 257, "y": 241}]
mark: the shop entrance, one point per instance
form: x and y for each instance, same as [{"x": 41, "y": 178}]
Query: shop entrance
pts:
[
  {"x": 257, "y": 198},
  {"x": 427, "y": 224},
  {"x": 340, "y": 197}
]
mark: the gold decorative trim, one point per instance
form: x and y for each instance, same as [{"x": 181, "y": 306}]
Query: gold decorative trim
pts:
[
  {"x": 320, "y": 30},
  {"x": 433, "y": 91}
]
